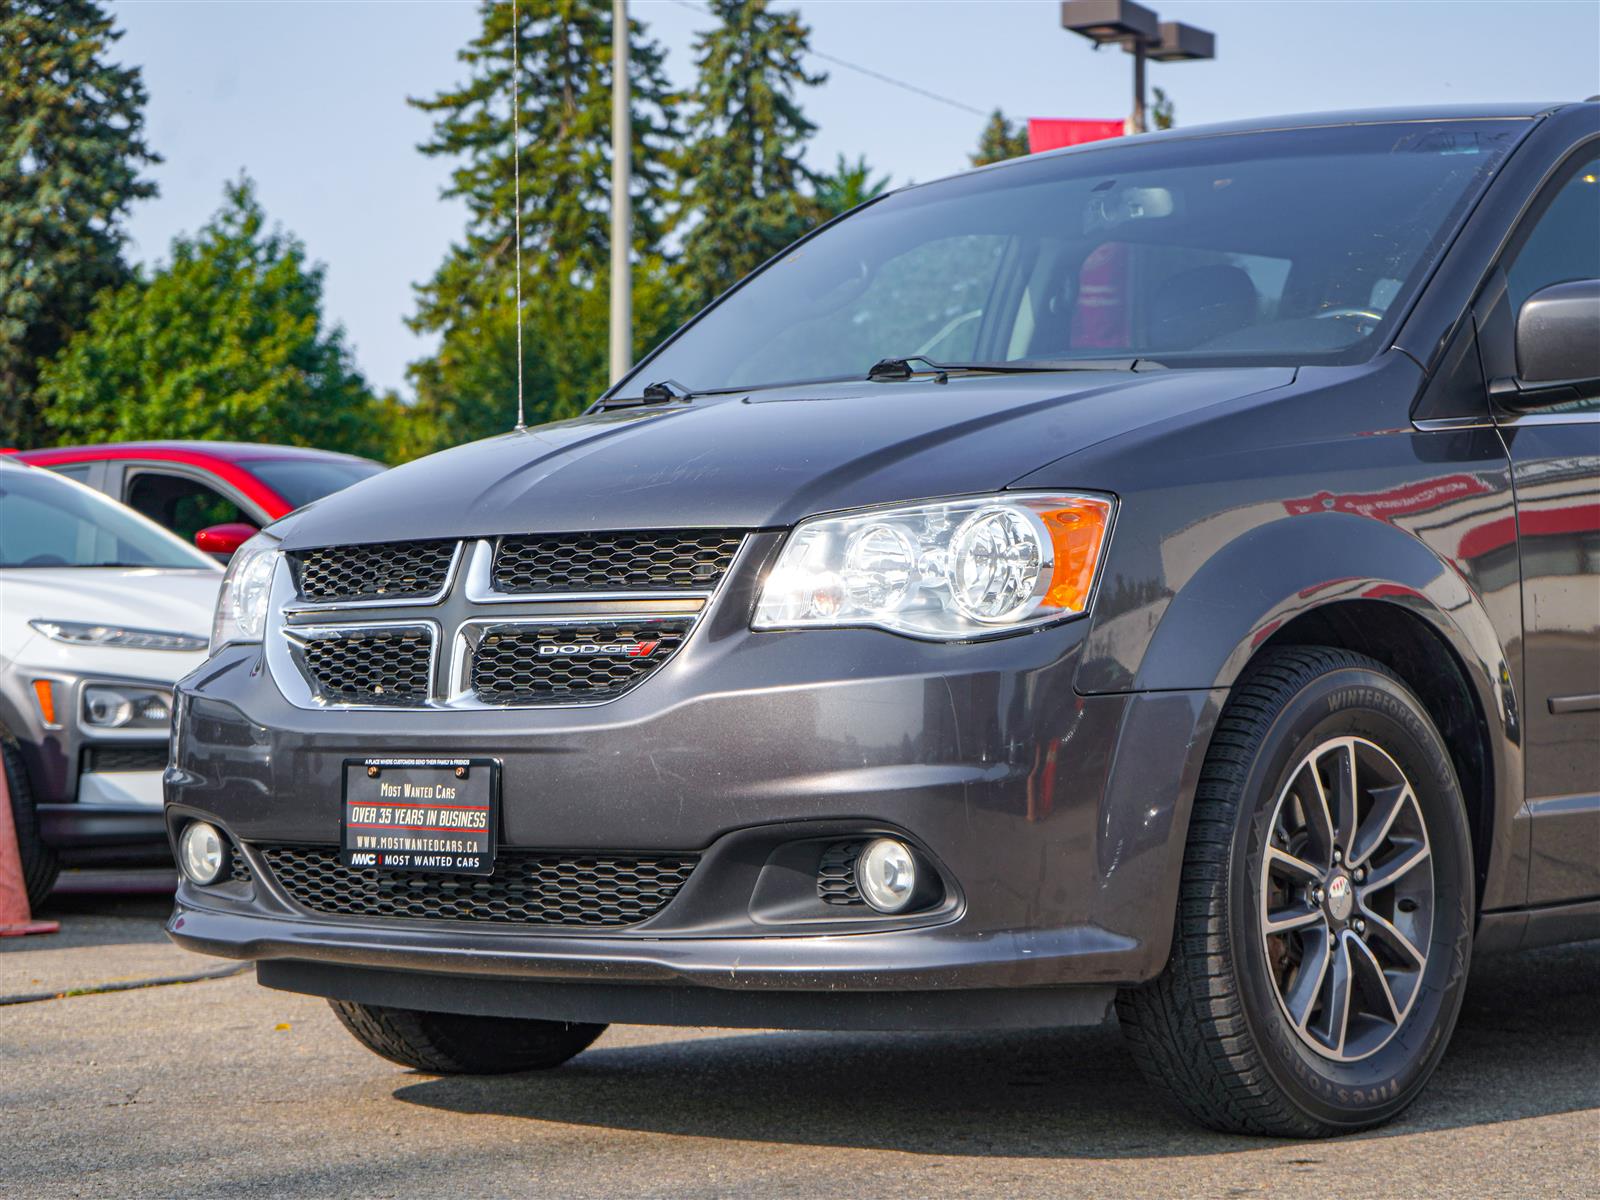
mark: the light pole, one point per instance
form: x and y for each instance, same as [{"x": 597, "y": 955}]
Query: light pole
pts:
[
  {"x": 1142, "y": 34},
  {"x": 621, "y": 200}
]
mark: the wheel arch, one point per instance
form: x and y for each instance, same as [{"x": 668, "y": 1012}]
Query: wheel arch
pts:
[
  {"x": 1361, "y": 584},
  {"x": 1415, "y": 651}
]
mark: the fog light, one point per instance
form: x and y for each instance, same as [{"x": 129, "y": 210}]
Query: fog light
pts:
[
  {"x": 202, "y": 853},
  {"x": 886, "y": 874}
]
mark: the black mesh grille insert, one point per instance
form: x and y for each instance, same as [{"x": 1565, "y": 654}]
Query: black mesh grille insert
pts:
[
  {"x": 382, "y": 571},
  {"x": 836, "y": 874},
  {"x": 527, "y": 888},
  {"x": 368, "y": 666},
  {"x": 124, "y": 758},
  {"x": 651, "y": 560},
  {"x": 566, "y": 664}
]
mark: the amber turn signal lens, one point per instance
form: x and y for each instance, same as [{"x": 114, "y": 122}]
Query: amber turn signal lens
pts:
[
  {"x": 45, "y": 693},
  {"x": 1078, "y": 535}
]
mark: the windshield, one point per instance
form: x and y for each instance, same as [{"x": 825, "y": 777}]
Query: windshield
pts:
[
  {"x": 302, "y": 480},
  {"x": 1291, "y": 247},
  {"x": 47, "y": 521}
]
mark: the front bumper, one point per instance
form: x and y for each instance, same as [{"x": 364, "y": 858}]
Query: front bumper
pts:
[
  {"x": 97, "y": 792},
  {"x": 1057, "y": 819}
]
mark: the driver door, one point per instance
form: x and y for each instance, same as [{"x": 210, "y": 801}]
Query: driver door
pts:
[{"x": 1555, "y": 459}]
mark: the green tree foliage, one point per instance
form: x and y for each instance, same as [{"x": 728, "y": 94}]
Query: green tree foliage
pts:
[
  {"x": 742, "y": 170},
  {"x": 71, "y": 148},
  {"x": 225, "y": 341},
  {"x": 468, "y": 389},
  {"x": 847, "y": 185},
  {"x": 1000, "y": 140},
  {"x": 1163, "y": 113}
]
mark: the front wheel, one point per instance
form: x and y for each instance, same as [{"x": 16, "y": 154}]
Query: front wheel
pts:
[
  {"x": 454, "y": 1044},
  {"x": 1325, "y": 910},
  {"x": 39, "y": 865}
]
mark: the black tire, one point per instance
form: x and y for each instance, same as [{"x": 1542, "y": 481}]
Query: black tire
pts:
[
  {"x": 1214, "y": 1029},
  {"x": 452, "y": 1044},
  {"x": 39, "y": 864}
]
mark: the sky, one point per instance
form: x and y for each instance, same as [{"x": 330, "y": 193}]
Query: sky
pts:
[{"x": 309, "y": 98}]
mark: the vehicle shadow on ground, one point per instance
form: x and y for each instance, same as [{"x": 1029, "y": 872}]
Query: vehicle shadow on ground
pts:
[{"x": 1527, "y": 1045}]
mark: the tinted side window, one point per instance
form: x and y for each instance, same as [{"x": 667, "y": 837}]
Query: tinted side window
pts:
[
  {"x": 78, "y": 471},
  {"x": 182, "y": 504},
  {"x": 1564, "y": 243}
]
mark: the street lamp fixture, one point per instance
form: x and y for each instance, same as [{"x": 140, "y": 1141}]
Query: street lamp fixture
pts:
[
  {"x": 1183, "y": 43},
  {"x": 1142, "y": 34},
  {"x": 1103, "y": 21}
]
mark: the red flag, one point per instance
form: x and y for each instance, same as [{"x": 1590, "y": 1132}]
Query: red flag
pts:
[{"x": 1051, "y": 133}]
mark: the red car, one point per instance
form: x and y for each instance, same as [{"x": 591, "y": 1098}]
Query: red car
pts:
[{"x": 215, "y": 493}]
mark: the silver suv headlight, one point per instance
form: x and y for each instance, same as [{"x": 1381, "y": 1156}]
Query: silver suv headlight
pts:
[
  {"x": 88, "y": 633},
  {"x": 246, "y": 590},
  {"x": 954, "y": 570}
]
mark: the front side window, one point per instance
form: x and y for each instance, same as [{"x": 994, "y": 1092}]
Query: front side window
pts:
[
  {"x": 182, "y": 504},
  {"x": 1564, "y": 243},
  {"x": 46, "y": 521},
  {"x": 1291, "y": 247}
]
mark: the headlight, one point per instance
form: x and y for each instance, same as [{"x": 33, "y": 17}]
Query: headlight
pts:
[
  {"x": 86, "y": 633},
  {"x": 108, "y": 706},
  {"x": 246, "y": 589},
  {"x": 953, "y": 570}
]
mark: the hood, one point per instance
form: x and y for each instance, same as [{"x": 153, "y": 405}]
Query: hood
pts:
[
  {"x": 178, "y": 601},
  {"x": 763, "y": 460}
]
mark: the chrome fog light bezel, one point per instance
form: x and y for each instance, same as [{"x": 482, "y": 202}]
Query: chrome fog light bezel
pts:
[
  {"x": 896, "y": 894},
  {"x": 202, "y": 865}
]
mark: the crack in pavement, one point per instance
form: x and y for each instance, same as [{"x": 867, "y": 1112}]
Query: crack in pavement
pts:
[{"x": 128, "y": 985}]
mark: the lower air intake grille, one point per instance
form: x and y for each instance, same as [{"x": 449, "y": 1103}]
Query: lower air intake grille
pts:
[
  {"x": 527, "y": 888},
  {"x": 368, "y": 666},
  {"x": 381, "y": 571},
  {"x": 570, "y": 664},
  {"x": 124, "y": 758},
  {"x": 836, "y": 874}
]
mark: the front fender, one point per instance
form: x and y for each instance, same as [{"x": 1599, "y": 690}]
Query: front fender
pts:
[
  {"x": 1254, "y": 586},
  {"x": 1273, "y": 573}
]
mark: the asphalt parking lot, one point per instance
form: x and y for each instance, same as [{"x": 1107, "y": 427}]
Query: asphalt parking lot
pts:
[{"x": 222, "y": 1088}]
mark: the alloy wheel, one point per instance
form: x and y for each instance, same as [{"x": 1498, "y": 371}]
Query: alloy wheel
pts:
[{"x": 1346, "y": 898}]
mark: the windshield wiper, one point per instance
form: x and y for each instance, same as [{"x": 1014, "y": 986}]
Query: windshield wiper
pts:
[
  {"x": 890, "y": 370},
  {"x": 663, "y": 391}
]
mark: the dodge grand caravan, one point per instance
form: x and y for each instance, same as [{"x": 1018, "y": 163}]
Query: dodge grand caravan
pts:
[{"x": 1159, "y": 577}]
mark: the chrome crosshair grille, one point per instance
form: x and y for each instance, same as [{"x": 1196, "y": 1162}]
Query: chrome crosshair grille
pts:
[{"x": 517, "y": 621}]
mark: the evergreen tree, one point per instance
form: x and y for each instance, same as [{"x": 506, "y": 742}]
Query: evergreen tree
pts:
[
  {"x": 847, "y": 185},
  {"x": 1000, "y": 140},
  {"x": 468, "y": 389},
  {"x": 71, "y": 148},
  {"x": 1163, "y": 113},
  {"x": 743, "y": 175},
  {"x": 225, "y": 341}
]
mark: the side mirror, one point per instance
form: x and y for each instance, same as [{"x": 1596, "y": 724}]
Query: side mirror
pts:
[
  {"x": 222, "y": 540},
  {"x": 1558, "y": 335}
]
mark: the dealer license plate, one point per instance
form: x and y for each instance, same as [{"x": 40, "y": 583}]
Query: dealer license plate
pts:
[{"x": 420, "y": 814}]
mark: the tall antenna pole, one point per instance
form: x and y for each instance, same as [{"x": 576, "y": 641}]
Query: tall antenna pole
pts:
[
  {"x": 621, "y": 198},
  {"x": 516, "y": 184}
]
